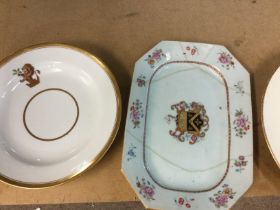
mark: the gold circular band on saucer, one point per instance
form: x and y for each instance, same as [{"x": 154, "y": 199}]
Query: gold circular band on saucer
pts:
[
  {"x": 113, "y": 132},
  {"x": 262, "y": 122},
  {"x": 60, "y": 136}
]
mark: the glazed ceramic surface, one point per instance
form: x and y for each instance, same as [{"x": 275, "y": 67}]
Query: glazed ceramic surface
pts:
[
  {"x": 271, "y": 116},
  {"x": 59, "y": 109},
  {"x": 188, "y": 136}
]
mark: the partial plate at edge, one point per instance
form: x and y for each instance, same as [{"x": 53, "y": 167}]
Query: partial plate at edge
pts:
[{"x": 271, "y": 116}]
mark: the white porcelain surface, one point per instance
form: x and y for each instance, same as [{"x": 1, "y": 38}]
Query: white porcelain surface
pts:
[
  {"x": 188, "y": 136},
  {"x": 59, "y": 126},
  {"x": 174, "y": 83},
  {"x": 271, "y": 115}
]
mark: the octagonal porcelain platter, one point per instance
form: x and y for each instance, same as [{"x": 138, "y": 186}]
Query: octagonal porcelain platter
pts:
[
  {"x": 60, "y": 111},
  {"x": 188, "y": 135}
]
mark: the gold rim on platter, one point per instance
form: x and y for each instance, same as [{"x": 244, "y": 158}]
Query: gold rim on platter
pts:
[{"x": 112, "y": 136}]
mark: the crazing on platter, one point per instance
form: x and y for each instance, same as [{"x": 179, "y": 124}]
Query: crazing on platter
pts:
[{"x": 188, "y": 136}]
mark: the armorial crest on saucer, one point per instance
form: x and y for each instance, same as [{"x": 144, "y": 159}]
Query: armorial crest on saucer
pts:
[{"x": 29, "y": 75}]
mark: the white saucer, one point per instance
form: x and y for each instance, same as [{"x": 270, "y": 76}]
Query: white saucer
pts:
[
  {"x": 60, "y": 111},
  {"x": 271, "y": 116}
]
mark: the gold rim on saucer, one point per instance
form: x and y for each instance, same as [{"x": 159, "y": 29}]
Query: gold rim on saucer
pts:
[{"x": 112, "y": 135}]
